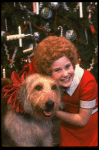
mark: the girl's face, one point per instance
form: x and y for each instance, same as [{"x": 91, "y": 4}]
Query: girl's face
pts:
[{"x": 63, "y": 71}]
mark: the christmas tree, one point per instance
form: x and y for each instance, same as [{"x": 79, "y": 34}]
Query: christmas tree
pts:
[{"x": 77, "y": 21}]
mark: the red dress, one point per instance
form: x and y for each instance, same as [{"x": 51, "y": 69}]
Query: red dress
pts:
[{"x": 82, "y": 93}]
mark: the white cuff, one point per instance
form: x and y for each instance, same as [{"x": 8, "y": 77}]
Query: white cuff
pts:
[{"x": 87, "y": 104}]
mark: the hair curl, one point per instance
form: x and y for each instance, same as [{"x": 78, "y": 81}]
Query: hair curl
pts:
[{"x": 51, "y": 49}]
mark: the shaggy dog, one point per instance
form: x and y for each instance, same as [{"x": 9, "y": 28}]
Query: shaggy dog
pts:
[{"x": 40, "y": 98}]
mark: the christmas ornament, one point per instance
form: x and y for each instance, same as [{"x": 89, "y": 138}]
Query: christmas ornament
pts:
[
  {"x": 29, "y": 57},
  {"x": 69, "y": 9},
  {"x": 70, "y": 35},
  {"x": 41, "y": 4},
  {"x": 29, "y": 49},
  {"x": 6, "y": 25},
  {"x": 36, "y": 38},
  {"x": 11, "y": 65},
  {"x": 86, "y": 35},
  {"x": 54, "y": 5},
  {"x": 92, "y": 29},
  {"x": 91, "y": 65},
  {"x": 46, "y": 27},
  {"x": 14, "y": 53},
  {"x": 61, "y": 30},
  {"x": 46, "y": 13},
  {"x": 90, "y": 9},
  {"x": 30, "y": 26},
  {"x": 5, "y": 38},
  {"x": 4, "y": 73},
  {"x": 80, "y": 10},
  {"x": 43, "y": 29},
  {"x": 36, "y": 8},
  {"x": 20, "y": 39},
  {"x": 96, "y": 50},
  {"x": 93, "y": 60},
  {"x": 5, "y": 48},
  {"x": 24, "y": 61}
]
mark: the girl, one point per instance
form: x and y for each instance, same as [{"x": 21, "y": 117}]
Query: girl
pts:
[{"x": 57, "y": 57}]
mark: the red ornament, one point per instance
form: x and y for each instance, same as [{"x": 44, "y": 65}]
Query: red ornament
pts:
[{"x": 92, "y": 29}]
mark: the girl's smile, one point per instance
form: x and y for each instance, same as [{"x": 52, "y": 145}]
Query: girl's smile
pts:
[{"x": 63, "y": 71}]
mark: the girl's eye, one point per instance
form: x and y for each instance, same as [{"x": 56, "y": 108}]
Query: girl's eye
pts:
[
  {"x": 67, "y": 66},
  {"x": 57, "y": 70}
]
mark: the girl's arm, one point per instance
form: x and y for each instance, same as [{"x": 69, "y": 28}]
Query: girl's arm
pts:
[{"x": 80, "y": 119}]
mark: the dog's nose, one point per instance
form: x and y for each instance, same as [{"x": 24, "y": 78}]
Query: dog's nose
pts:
[{"x": 49, "y": 104}]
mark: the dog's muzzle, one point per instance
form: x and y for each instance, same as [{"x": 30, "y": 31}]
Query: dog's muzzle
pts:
[{"x": 49, "y": 107}]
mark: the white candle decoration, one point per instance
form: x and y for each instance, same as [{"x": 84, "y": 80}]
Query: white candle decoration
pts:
[
  {"x": 37, "y": 8},
  {"x": 80, "y": 10},
  {"x": 20, "y": 40},
  {"x": 14, "y": 37},
  {"x": 17, "y": 36},
  {"x": 4, "y": 73},
  {"x": 34, "y": 7}
]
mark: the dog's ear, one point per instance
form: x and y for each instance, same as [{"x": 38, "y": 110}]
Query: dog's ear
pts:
[
  {"x": 23, "y": 96},
  {"x": 22, "y": 93}
]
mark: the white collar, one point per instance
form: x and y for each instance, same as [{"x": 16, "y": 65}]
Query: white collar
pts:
[{"x": 76, "y": 80}]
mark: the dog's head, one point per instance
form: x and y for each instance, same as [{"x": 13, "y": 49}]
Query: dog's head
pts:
[{"x": 39, "y": 95}]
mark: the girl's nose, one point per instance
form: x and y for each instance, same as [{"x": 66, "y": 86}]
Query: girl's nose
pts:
[{"x": 64, "y": 73}]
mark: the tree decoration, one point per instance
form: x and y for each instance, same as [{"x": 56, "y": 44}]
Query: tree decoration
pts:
[
  {"x": 54, "y": 5},
  {"x": 70, "y": 35},
  {"x": 93, "y": 60},
  {"x": 60, "y": 27},
  {"x": 46, "y": 13}
]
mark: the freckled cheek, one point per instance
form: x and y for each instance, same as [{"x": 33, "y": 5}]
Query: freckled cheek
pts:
[{"x": 71, "y": 71}]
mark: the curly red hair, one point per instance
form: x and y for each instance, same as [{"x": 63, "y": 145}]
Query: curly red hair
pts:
[{"x": 51, "y": 49}]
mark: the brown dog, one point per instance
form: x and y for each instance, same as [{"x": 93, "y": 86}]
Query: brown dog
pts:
[{"x": 40, "y": 98}]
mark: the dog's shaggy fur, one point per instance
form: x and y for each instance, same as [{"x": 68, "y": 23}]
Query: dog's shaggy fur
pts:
[{"x": 40, "y": 98}]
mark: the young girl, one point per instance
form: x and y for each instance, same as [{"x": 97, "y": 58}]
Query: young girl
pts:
[{"x": 57, "y": 57}]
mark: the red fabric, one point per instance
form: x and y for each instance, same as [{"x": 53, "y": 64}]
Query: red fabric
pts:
[
  {"x": 72, "y": 135},
  {"x": 10, "y": 91}
]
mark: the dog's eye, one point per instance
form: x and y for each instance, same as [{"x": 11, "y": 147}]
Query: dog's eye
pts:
[
  {"x": 54, "y": 87},
  {"x": 38, "y": 87}
]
